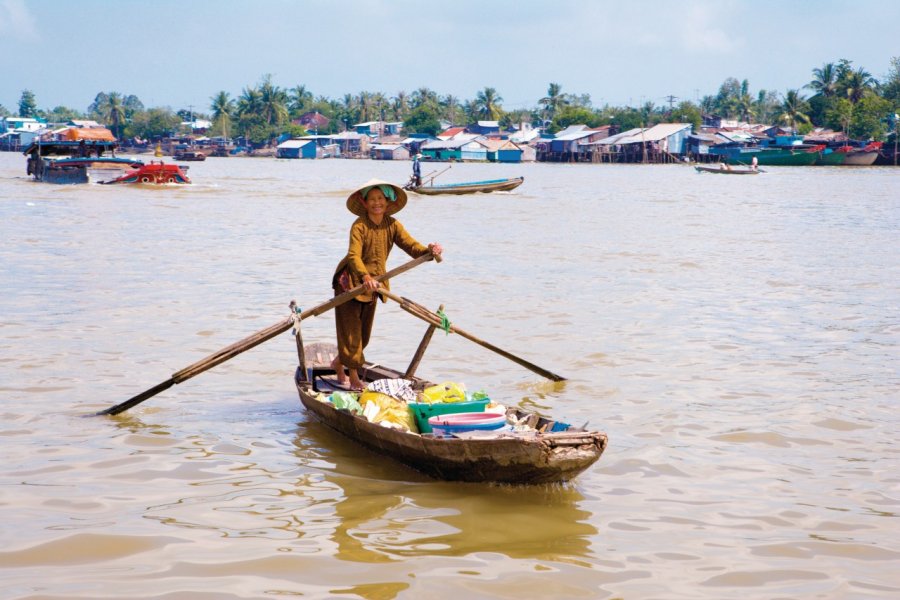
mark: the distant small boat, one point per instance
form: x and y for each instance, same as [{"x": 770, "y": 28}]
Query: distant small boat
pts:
[
  {"x": 472, "y": 187},
  {"x": 155, "y": 173},
  {"x": 188, "y": 155},
  {"x": 726, "y": 171},
  {"x": 76, "y": 161}
]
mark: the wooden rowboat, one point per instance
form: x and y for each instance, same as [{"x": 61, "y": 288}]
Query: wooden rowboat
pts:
[
  {"x": 472, "y": 187},
  {"x": 546, "y": 453},
  {"x": 728, "y": 171}
]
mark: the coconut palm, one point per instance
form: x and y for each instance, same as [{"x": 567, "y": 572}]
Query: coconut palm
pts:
[
  {"x": 450, "y": 108},
  {"x": 400, "y": 105},
  {"x": 300, "y": 98},
  {"x": 423, "y": 95},
  {"x": 249, "y": 102},
  {"x": 554, "y": 100},
  {"x": 273, "y": 102},
  {"x": 857, "y": 84},
  {"x": 487, "y": 104},
  {"x": 222, "y": 108},
  {"x": 824, "y": 81},
  {"x": 793, "y": 109},
  {"x": 114, "y": 112}
]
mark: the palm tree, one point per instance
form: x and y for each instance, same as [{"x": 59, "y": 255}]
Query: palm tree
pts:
[
  {"x": 423, "y": 95},
  {"x": 114, "y": 112},
  {"x": 364, "y": 101},
  {"x": 300, "y": 98},
  {"x": 553, "y": 100},
  {"x": 824, "y": 80},
  {"x": 250, "y": 102},
  {"x": 793, "y": 109},
  {"x": 450, "y": 106},
  {"x": 487, "y": 104},
  {"x": 273, "y": 102},
  {"x": 857, "y": 84},
  {"x": 743, "y": 103},
  {"x": 222, "y": 107},
  {"x": 400, "y": 105}
]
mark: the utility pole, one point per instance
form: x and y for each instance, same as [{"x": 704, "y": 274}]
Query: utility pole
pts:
[{"x": 671, "y": 99}]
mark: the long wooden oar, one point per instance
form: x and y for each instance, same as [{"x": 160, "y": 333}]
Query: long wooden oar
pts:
[
  {"x": 256, "y": 339},
  {"x": 426, "y": 315}
]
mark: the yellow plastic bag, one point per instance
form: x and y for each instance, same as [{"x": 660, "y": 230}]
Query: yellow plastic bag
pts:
[
  {"x": 445, "y": 392},
  {"x": 387, "y": 411}
]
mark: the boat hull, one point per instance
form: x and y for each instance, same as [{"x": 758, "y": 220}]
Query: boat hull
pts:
[
  {"x": 155, "y": 173},
  {"x": 528, "y": 458},
  {"x": 775, "y": 158},
  {"x": 499, "y": 185},
  {"x": 831, "y": 158},
  {"x": 860, "y": 159},
  {"x": 721, "y": 171}
]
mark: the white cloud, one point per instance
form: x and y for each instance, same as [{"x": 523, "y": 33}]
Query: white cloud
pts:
[
  {"x": 16, "y": 20},
  {"x": 708, "y": 28}
]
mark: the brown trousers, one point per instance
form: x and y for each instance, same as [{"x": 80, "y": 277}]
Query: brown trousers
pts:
[{"x": 354, "y": 321}]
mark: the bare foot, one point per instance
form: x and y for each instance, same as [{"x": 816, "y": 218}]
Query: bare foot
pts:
[
  {"x": 355, "y": 383},
  {"x": 339, "y": 371}
]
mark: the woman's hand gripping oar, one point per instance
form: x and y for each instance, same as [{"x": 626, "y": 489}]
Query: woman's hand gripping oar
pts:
[
  {"x": 256, "y": 339},
  {"x": 426, "y": 315}
]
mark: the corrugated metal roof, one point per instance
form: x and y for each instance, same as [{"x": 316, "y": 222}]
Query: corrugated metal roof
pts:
[
  {"x": 294, "y": 143},
  {"x": 489, "y": 123},
  {"x": 390, "y": 147},
  {"x": 450, "y": 144},
  {"x": 655, "y": 133},
  {"x": 449, "y": 133},
  {"x": 615, "y": 139}
]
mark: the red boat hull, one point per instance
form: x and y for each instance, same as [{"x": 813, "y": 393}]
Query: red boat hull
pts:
[{"x": 155, "y": 173}]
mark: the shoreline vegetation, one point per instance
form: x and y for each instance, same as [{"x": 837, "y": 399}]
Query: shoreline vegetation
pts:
[{"x": 843, "y": 98}]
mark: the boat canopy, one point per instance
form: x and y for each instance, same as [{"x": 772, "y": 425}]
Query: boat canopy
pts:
[{"x": 99, "y": 134}]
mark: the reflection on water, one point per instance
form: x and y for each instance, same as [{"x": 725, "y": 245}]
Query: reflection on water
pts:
[
  {"x": 737, "y": 340},
  {"x": 384, "y": 515}
]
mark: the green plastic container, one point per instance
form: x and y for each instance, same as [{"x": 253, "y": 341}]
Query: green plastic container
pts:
[{"x": 422, "y": 411}]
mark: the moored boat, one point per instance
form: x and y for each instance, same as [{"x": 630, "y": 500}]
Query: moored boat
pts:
[
  {"x": 154, "y": 173},
  {"x": 82, "y": 156},
  {"x": 776, "y": 157},
  {"x": 832, "y": 156},
  {"x": 537, "y": 450},
  {"x": 723, "y": 170},
  {"x": 472, "y": 187},
  {"x": 189, "y": 155},
  {"x": 863, "y": 157}
]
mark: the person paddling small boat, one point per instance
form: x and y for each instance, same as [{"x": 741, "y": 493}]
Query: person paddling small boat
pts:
[{"x": 372, "y": 236}]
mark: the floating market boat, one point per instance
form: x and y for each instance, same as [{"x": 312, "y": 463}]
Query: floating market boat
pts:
[
  {"x": 154, "y": 173},
  {"x": 80, "y": 156},
  {"x": 472, "y": 187},
  {"x": 777, "y": 157},
  {"x": 832, "y": 156},
  {"x": 189, "y": 155},
  {"x": 537, "y": 450},
  {"x": 863, "y": 157},
  {"x": 722, "y": 170}
]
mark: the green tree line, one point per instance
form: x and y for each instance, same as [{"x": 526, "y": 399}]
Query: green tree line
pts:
[{"x": 838, "y": 96}]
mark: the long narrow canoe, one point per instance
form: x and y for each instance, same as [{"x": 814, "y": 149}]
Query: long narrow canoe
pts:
[
  {"x": 723, "y": 171},
  {"x": 472, "y": 187},
  {"x": 547, "y": 452}
]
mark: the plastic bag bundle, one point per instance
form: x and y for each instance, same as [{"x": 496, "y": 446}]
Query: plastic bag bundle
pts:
[
  {"x": 385, "y": 410},
  {"x": 444, "y": 392},
  {"x": 346, "y": 400}
]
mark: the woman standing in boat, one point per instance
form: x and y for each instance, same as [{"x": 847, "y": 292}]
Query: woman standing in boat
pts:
[{"x": 372, "y": 236}]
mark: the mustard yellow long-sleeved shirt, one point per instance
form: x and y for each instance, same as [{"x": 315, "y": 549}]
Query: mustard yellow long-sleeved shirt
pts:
[{"x": 370, "y": 245}]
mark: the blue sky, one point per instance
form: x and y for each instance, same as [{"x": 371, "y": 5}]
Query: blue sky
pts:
[{"x": 179, "y": 54}]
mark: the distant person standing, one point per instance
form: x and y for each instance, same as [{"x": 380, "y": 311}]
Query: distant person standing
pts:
[
  {"x": 417, "y": 169},
  {"x": 754, "y": 164}
]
